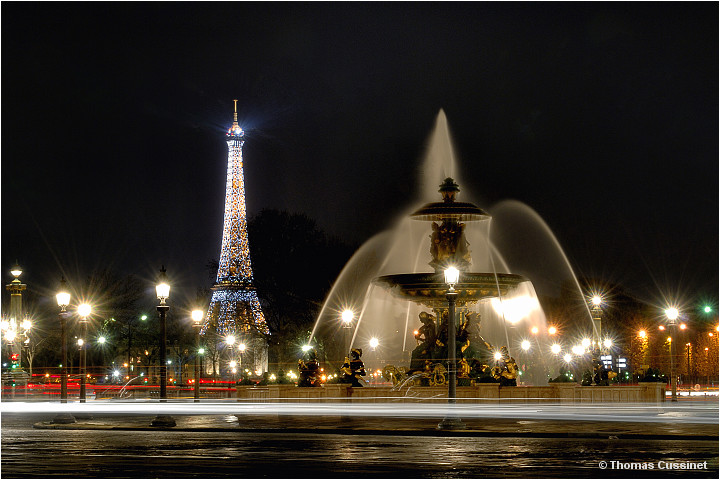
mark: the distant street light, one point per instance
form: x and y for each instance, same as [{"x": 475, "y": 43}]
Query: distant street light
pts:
[
  {"x": 84, "y": 311},
  {"x": 197, "y": 316},
  {"x": 672, "y": 315},
  {"x": 347, "y": 318},
  {"x": 552, "y": 330}
]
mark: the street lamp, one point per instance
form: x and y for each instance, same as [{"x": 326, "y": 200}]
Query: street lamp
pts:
[
  {"x": 552, "y": 330},
  {"x": 84, "y": 311},
  {"x": 163, "y": 292},
  {"x": 197, "y": 316},
  {"x": 451, "y": 421},
  {"x": 672, "y": 314},
  {"x": 63, "y": 300}
]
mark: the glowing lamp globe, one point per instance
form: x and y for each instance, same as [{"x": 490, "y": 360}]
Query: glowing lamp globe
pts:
[
  {"x": 163, "y": 291},
  {"x": 197, "y": 316},
  {"x": 242, "y": 347},
  {"x": 16, "y": 271},
  {"x": 672, "y": 313},
  {"x": 525, "y": 345},
  {"x": 26, "y": 324},
  {"x": 306, "y": 348},
  {"x": 607, "y": 343},
  {"x": 230, "y": 340},
  {"x": 63, "y": 297},
  {"x": 567, "y": 357},
  {"x": 707, "y": 309},
  {"x": 162, "y": 288},
  {"x": 556, "y": 348},
  {"x": 597, "y": 300},
  {"x": 585, "y": 342},
  {"x": 347, "y": 316},
  {"x": 534, "y": 330},
  {"x": 10, "y": 335},
  {"x": 374, "y": 342},
  {"x": 642, "y": 334},
  {"x": 84, "y": 310},
  {"x": 497, "y": 356},
  {"x": 452, "y": 275},
  {"x": 552, "y": 330},
  {"x": 102, "y": 340}
]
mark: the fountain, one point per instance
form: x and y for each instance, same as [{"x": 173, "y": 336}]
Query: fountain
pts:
[
  {"x": 449, "y": 248},
  {"x": 394, "y": 278}
]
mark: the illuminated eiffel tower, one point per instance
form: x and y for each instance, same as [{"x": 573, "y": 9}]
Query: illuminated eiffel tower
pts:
[{"x": 234, "y": 307}]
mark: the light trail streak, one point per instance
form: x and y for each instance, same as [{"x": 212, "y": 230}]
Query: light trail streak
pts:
[{"x": 699, "y": 412}]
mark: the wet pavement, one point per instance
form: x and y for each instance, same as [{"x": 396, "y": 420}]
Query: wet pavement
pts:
[{"x": 279, "y": 446}]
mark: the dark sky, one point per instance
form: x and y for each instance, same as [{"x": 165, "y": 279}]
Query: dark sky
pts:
[{"x": 601, "y": 117}]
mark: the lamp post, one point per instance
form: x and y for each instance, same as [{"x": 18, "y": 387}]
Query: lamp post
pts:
[
  {"x": 63, "y": 300},
  {"x": 451, "y": 421},
  {"x": 241, "y": 349},
  {"x": 347, "y": 319},
  {"x": 197, "y": 316},
  {"x": 163, "y": 292},
  {"x": 230, "y": 342},
  {"x": 688, "y": 345},
  {"x": 672, "y": 315},
  {"x": 84, "y": 311}
]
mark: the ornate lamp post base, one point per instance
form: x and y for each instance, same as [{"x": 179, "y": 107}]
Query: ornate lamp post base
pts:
[
  {"x": 451, "y": 422},
  {"x": 163, "y": 421},
  {"x": 63, "y": 419}
]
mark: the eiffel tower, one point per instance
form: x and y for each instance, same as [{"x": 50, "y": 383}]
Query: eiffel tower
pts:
[{"x": 234, "y": 307}]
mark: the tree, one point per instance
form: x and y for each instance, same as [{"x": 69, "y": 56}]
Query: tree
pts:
[{"x": 295, "y": 264}]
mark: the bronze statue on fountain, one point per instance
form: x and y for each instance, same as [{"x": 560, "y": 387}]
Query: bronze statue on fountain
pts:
[
  {"x": 353, "y": 370},
  {"x": 309, "y": 369},
  {"x": 449, "y": 247}
]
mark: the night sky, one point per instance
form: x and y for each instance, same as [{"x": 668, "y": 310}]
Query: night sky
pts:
[{"x": 601, "y": 117}]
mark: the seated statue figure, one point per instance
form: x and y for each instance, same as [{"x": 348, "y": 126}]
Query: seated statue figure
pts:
[
  {"x": 353, "y": 370},
  {"x": 309, "y": 369},
  {"x": 509, "y": 370},
  {"x": 448, "y": 245},
  {"x": 425, "y": 337}
]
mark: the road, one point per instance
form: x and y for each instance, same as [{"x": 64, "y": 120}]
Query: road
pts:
[{"x": 220, "y": 446}]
